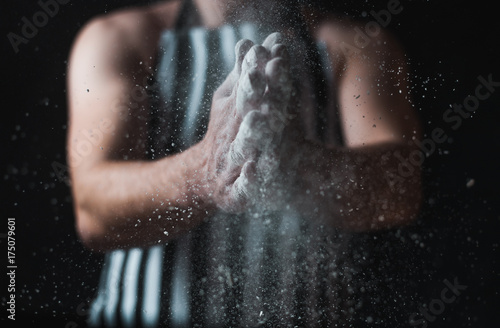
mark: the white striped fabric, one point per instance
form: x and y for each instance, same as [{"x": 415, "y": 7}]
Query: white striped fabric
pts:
[
  {"x": 152, "y": 287},
  {"x": 130, "y": 285}
]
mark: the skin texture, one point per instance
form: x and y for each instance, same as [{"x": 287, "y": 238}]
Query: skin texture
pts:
[{"x": 253, "y": 149}]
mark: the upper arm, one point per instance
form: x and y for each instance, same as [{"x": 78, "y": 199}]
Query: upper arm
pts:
[
  {"x": 373, "y": 92},
  {"x": 106, "y": 98}
]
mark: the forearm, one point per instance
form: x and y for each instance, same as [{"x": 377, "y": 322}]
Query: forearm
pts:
[
  {"x": 357, "y": 189},
  {"x": 123, "y": 204}
]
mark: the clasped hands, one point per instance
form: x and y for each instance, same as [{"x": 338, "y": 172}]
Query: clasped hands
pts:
[{"x": 242, "y": 146}]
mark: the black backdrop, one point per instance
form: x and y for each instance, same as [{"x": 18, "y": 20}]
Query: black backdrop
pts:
[{"x": 449, "y": 44}]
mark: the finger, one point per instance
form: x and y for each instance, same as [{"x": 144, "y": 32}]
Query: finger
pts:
[
  {"x": 272, "y": 39},
  {"x": 250, "y": 92},
  {"x": 249, "y": 169},
  {"x": 279, "y": 79},
  {"x": 235, "y": 201},
  {"x": 256, "y": 57},
  {"x": 279, "y": 83},
  {"x": 248, "y": 142},
  {"x": 240, "y": 194},
  {"x": 241, "y": 49},
  {"x": 243, "y": 189},
  {"x": 240, "y": 152},
  {"x": 280, "y": 50}
]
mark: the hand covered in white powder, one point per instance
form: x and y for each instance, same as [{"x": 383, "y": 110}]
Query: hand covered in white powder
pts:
[{"x": 248, "y": 115}]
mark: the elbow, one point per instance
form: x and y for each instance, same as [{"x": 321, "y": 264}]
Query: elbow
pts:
[
  {"x": 397, "y": 210},
  {"x": 403, "y": 201},
  {"x": 90, "y": 232},
  {"x": 91, "y": 228},
  {"x": 405, "y": 216}
]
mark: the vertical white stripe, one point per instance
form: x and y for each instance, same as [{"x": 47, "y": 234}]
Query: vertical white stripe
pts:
[
  {"x": 152, "y": 287},
  {"x": 197, "y": 39},
  {"x": 312, "y": 279},
  {"x": 98, "y": 303},
  {"x": 228, "y": 41},
  {"x": 95, "y": 310},
  {"x": 219, "y": 275},
  {"x": 113, "y": 287},
  {"x": 252, "y": 311},
  {"x": 130, "y": 281},
  {"x": 180, "y": 305},
  {"x": 248, "y": 31},
  {"x": 326, "y": 63},
  {"x": 167, "y": 68},
  {"x": 288, "y": 234}
]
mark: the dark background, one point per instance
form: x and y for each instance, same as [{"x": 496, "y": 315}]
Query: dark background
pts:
[{"x": 449, "y": 44}]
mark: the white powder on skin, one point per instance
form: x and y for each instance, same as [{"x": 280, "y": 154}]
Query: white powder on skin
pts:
[{"x": 263, "y": 94}]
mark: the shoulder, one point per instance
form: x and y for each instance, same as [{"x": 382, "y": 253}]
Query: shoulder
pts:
[{"x": 132, "y": 31}]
